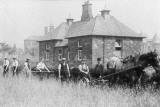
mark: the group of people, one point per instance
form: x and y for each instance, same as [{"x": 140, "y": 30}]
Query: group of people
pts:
[
  {"x": 63, "y": 67},
  {"x": 64, "y": 71},
  {"x": 14, "y": 66}
]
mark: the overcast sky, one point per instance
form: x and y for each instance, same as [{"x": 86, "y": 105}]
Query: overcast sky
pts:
[{"x": 22, "y": 18}]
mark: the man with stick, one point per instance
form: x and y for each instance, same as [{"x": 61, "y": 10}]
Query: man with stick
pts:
[
  {"x": 63, "y": 70},
  {"x": 27, "y": 68},
  {"x": 15, "y": 67},
  {"x": 5, "y": 66}
]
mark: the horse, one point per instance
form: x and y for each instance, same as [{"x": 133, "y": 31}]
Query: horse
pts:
[
  {"x": 130, "y": 71},
  {"x": 142, "y": 62}
]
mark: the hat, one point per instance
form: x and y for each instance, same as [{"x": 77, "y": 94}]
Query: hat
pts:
[
  {"x": 63, "y": 59},
  {"x": 98, "y": 59}
]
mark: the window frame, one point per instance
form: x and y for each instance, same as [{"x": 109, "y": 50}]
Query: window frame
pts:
[
  {"x": 119, "y": 43},
  {"x": 79, "y": 51},
  {"x": 60, "y": 53},
  {"x": 47, "y": 46}
]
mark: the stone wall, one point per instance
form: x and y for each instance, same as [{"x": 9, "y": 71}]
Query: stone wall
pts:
[
  {"x": 51, "y": 51},
  {"x": 104, "y": 47},
  {"x": 97, "y": 49},
  {"x": 93, "y": 47},
  {"x": 56, "y": 59},
  {"x": 86, "y": 43},
  {"x": 131, "y": 46}
]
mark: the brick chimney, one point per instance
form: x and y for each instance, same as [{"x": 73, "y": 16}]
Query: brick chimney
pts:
[{"x": 86, "y": 11}]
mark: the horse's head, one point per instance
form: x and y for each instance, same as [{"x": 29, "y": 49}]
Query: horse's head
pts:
[{"x": 148, "y": 59}]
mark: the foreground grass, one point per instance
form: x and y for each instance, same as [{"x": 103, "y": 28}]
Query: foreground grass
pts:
[{"x": 20, "y": 92}]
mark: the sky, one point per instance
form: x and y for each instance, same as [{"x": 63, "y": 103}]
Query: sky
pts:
[{"x": 22, "y": 18}]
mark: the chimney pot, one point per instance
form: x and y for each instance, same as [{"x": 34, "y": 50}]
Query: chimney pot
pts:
[
  {"x": 69, "y": 21},
  {"x": 105, "y": 12}
]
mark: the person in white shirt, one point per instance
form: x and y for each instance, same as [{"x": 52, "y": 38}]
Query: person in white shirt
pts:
[
  {"x": 84, "y": 69},
  {"x": 15, "y": 66},
  {"x": 63, "y": 70},
  {"x": 27, "y": 68},
  {"x": 41, "y": 66},
  {"x": 5, "y": 66}
]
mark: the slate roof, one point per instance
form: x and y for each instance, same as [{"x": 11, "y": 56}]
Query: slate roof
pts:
[
  {"x": 58, "y": 34},
  {"x": 101, "y": 26}
]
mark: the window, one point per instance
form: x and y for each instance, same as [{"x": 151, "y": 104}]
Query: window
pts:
[
  {"x": 47, "y": 46},
  {"x": 60, "y": 54},
  {"x": 118, "y": 44},
  {"x": 79, "y": 51},
  {"x": 47, "y": 55},
  {"x": 79, "y": 54}
]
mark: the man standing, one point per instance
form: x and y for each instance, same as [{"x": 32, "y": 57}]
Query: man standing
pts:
[
  {"x": 99, "y": 68},
  {"x": 5, "y": 66},
  {"x": 27, "y": 68},
  {"x": 15, "y": 67},
  {"x": 63, "y": 69}
]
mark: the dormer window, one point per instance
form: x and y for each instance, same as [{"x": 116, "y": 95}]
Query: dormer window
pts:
[{"x": 118, "y": 44}]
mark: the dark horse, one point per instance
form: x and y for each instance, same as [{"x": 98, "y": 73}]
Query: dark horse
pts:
[{"x": 132, "y": 72}]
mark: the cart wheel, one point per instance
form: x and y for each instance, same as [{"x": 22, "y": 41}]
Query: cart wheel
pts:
[{"x": 84, "y": 82}]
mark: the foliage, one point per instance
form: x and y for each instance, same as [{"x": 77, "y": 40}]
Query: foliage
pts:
[{"x": 7, "y": 48}]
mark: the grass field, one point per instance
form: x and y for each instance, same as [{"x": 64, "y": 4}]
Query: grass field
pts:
[{"x": 21, "y": 92}]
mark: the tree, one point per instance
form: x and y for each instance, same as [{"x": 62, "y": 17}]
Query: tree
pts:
[{"x": 4, "y": 47}]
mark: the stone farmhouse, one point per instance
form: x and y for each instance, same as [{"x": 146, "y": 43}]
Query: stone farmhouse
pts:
[{"x": 91, "y": 37}]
